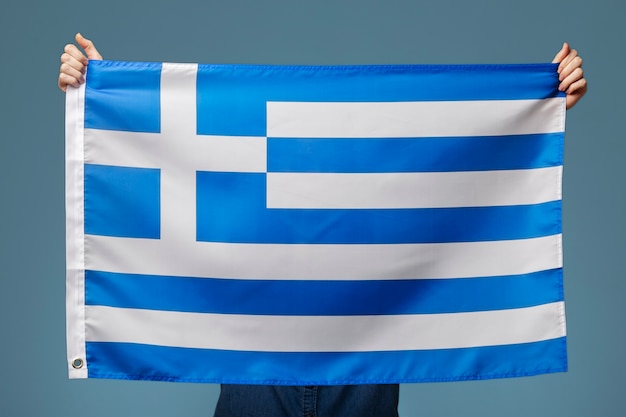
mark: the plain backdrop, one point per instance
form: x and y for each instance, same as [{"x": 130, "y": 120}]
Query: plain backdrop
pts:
[{"x": 33, "y": 378}]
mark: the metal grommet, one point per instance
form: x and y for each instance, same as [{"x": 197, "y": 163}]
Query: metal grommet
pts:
[{"x": 77, "y": 363}]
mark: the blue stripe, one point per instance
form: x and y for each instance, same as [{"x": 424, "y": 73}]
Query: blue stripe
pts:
[
  {"x": 132, "y": 361},
  {"x": 231, "y": 207},
  {"x": 277, "y": 297},
  {"x": 123, "y": 96},
  {"x": 232, "y": 98},
  {"x": 414, "y": 154}
]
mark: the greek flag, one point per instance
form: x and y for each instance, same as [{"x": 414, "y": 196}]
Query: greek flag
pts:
[{"x": 314, "y": 225}]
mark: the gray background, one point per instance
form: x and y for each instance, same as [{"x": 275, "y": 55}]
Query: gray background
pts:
[{"x": 33, "y": 380}]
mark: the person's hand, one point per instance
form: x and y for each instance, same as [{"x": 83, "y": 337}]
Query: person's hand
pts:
[
  {"x": 571, "y": 76},
  {"x": 74, "y": 62}
]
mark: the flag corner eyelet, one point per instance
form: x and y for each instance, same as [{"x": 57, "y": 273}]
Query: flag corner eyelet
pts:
[{"x": 77, "y": 363}]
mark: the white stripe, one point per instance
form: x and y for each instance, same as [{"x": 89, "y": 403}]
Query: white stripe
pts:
[
  {"x": 75, "y": 232},
  {"x": 206, "y": 153},
  {"x": 413, "y": 190},
  {"x": 323, "y": 262},
  {"x": 414, "y": 119},
  {"x": 325, "y": 333}
]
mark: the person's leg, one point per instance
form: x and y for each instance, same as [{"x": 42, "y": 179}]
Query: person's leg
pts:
[
  {"x": 358, "y": 401},
  {"x": 310, "y": 401},
  {"x": 259, "y": 401}
]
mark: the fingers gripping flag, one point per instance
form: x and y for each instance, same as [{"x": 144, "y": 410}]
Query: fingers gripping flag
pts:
[{"x": 314, "y": 225}]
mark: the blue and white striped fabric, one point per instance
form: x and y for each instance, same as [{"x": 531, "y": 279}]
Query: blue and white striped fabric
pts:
[{"x": 314, "y": 225}]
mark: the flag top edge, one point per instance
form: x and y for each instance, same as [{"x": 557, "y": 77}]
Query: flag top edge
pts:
[{"x": 549, "y": 67}]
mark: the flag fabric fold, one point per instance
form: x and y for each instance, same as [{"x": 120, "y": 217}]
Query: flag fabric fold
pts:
[{"x": 314, "y": 225}]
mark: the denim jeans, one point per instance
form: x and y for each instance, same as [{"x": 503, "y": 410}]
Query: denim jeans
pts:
[{"x": 309, "y": 401}]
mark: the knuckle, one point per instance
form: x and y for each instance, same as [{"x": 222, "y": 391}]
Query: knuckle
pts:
[
  {"x": 578, "y": 73},
  {"x": 67, "y": 70}
]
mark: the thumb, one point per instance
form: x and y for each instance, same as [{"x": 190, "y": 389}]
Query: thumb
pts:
[
  {"x": 561, "y": 54},
  {"x": 88, "y": 46}
]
